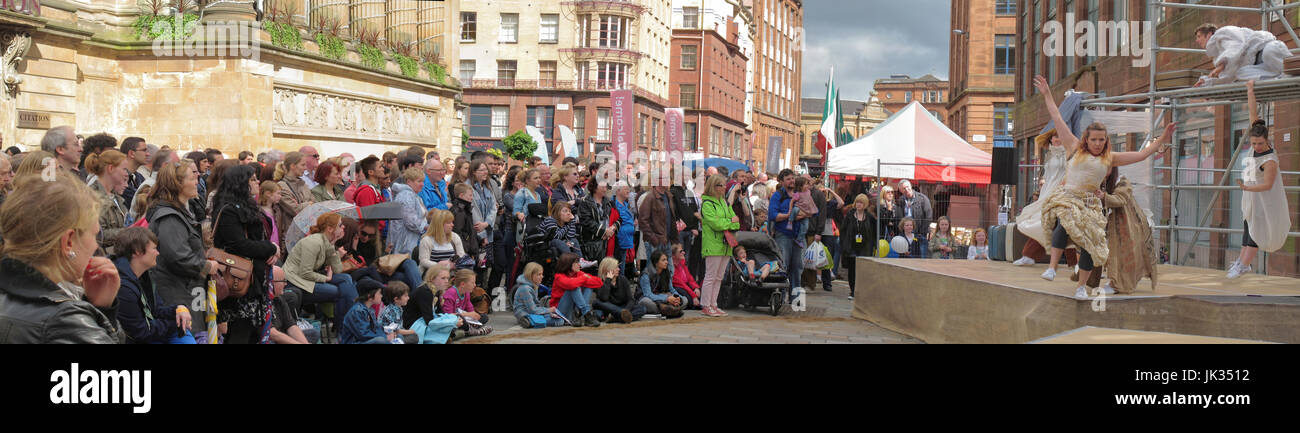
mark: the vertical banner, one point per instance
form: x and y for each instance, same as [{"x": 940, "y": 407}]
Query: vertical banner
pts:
[
  {"x": 543, "y": 147},
  {"x": 570, "y": 142},
  {"x": 674, "y": 122},
  {"x": 773, "y": 153},
  {"x": 622, "y": 114}
]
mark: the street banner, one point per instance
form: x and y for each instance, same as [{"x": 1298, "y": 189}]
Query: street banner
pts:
[
  {"x": 542, "y": 145},
  {"x": 570, "y": 142},
  {"x": 622, "y": 113},
  {"x": 773, "y": 153},
  {"x": 674, "y": 122}
]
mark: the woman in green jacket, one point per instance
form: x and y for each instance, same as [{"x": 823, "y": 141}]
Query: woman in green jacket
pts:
[{"x": 718, "y": 218}]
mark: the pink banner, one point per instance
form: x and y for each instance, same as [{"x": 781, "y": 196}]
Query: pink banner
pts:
[
  {"x": 674, "y": 122},
  {"x": 623, "y": 114}
]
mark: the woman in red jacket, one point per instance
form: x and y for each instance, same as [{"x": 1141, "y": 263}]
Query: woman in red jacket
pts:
[
  {"x": 682, "y": 277},
  {"x": 571, "y": 292}
]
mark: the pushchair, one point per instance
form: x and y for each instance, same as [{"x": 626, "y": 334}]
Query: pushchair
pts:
[{"x": 738, "y": 288}]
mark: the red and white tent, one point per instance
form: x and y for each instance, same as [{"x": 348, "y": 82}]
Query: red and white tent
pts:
[{"x": 912, "y": 136}]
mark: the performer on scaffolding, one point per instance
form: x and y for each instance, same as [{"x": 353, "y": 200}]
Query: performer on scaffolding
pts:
[
  {"x": 1240, "y": 54},
  {"x": 1074, "y": 211},
  {"x": 1263, "y": 204}
]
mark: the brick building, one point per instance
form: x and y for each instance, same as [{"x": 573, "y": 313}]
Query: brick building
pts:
[
  {"x": 1207, "y": 136},
  {"x": 708, "y": 74},
  {"x": 547, "y": 64},
  {"x": 859, "y": 118},
  {"x": 897, "y": 91},
  {"x": 982, "y": 70},
  {"x": 778, "y": 71}
]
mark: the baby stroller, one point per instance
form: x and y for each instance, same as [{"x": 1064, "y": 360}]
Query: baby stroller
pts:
[{"x": 738, "y": 288}]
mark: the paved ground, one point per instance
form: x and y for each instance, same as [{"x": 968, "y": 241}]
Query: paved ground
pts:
[{"x": 826, "y": 320}]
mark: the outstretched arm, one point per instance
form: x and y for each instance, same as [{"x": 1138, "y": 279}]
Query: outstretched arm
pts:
[
  {"x": 1125, "y": 158},
  {"x": 1062, "y": 129}
]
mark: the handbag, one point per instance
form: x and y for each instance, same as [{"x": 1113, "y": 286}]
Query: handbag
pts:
[
  {"x": 479, "y": 298},
  {"x": 388, "y": 264},
  {"x": 233, "y": 272},
  {"x": 537, "y": 320}
]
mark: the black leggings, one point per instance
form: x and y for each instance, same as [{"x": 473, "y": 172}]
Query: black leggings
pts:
[
  {"x": 1059, "y": 240},
  {"x": 1246, "y": 240}
]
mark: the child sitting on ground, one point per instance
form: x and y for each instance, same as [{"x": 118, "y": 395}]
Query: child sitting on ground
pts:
[
  {"x": 752, "y": 269},
  {"x": 682, "y": 277},
  {"x": 361, "y": 326},
  {"x": 526, "y": 302},
  {"x": 456, "y": 300},
  {"x": 396, "y": 295}
]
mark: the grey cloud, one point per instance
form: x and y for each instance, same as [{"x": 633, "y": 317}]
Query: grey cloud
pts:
[{"x": 870, "y": 40}]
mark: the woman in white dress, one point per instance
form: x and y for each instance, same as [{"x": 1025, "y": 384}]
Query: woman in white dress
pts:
[
  {"x": 1073, "y": 212},
  {"x": 1263, "y": 204}
]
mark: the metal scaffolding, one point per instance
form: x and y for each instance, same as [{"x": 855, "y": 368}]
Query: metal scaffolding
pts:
[{"x": 1178, "y": 99}]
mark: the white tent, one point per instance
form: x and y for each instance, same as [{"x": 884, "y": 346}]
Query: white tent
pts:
[{"x": 912, "y": 136}]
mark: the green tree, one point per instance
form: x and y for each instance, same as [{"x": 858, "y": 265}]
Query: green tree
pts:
[{"x": 520, "y": 146}]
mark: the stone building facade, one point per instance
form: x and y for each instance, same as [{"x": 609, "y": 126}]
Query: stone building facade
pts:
[
  {"x": 897, "y": 91},
  {"x": 80, "y": 63}
]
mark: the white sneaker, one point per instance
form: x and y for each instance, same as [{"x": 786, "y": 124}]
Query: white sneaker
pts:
[
  {"x": 584, "y": 263},
  {"x": 1049, "y": 274},
  {"x": 1023, "y": 261},
  {"x": 850, "y": 298},
  {"x": 1237, "y": 271},
  {"x": 1081, "y": 293}
]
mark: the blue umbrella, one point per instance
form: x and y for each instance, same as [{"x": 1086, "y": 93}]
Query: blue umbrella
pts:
[{"x": 730, "y": 165}]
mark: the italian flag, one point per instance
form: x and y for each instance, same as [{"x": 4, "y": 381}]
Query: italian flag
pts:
[{"x": 832, "y": 120}]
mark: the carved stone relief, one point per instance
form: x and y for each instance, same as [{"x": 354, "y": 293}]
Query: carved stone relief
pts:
[{"x": 304, "y": 109}]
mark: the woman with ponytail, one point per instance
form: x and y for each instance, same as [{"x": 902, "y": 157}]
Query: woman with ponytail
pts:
[
  {"x": 1263, "y": 202},
  {"x": 294, "y": 193},
  {"x": 109, "y": 170}
]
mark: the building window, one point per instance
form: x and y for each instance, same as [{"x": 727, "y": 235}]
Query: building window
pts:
[
  {"x": 1006, "y": 7},
  {"x": 479, "y": 121},
  {"x": 550, "y": 30},
  {"x": 1001, "y": 119},
  {"x": 466, "y": 72},
  {"x": 687, "y": 96},
  {"x": 468, "y": 26},
  {"x": 546, "y": 73},
  {"x": 641, "y": 130},
  {"x": 602, "y": 124},
  {"x": 611, "y": 31},
  {"x": 654, "y": 133},
  {"x": 689, "y": 53},
  {"x": 714, "y": 136},
  {"x": 612, "y": 75},
  {"x": 509, "y": 28},
  {"x": 907, "y": 97},
  {"x": 506, "y": 73},
  {"x": 690, "y": 18},
  {"x": 688, "y": 137},
  {"x": 584, "y": 38},
  {"x": 1094, "y": 14},
  {"x": 580, "y": 123},
  {"x": 1004, "y": 54},
  {"x": 500, "y": 121},
  {"x": 543, "y": 118}
]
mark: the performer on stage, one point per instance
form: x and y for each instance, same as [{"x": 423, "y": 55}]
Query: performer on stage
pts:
[
  {"x": 1264, "y": 202},
  {"x": 1128, "y": 235},
  {"x": 1074, "y": 211}
]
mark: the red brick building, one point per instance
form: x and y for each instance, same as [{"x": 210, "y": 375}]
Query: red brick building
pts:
[
  {"x": 897, "y": 91},
  {"x": 708, "y": 81}
]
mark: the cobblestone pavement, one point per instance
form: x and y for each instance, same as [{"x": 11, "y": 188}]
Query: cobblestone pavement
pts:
[{"x": 826, "y": 320}]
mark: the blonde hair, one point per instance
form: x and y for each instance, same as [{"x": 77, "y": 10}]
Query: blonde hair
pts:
[
  {"x": 883, "y": 201},
  {"x": 940, "y": 220},
  {"x": 557, "y": 175},
  {"x": 169, "y": 182},
  {"x": 264, "y": 193},
  {"x": 713, "y": 182},
  {"x": 432, "y": 273},
  {"x": 412, "y": 174},
  {"x": 862, "y": 198},
  {"x": 290, "y": 159},
  {"x": 607, "y": 264},
  {"x": 438, "y": 219},
  {"x": 530, "y": 269},
  {"x": 460, "y": 278},
  {"x": 33, "y": 163},
  {"x": 1083, "y": 145},
  {"x": 904, "y": 221},
  {"x": 98, "y": 163},
  {"x": 65, "y": 203}
]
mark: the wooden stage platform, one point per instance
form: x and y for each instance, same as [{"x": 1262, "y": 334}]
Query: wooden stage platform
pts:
[{"x": 964, "y": 301}]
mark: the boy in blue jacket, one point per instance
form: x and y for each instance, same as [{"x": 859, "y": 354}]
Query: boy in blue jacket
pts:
[
  {"x": 361, "y": 326},
  {"x": 145, "y": 317}
]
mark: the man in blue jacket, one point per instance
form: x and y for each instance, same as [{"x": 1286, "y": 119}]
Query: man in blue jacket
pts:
[
  {"x": 145, "y": 317},
  {"x": 434, "y": 192},
  {"x": 778, "y": 214}
]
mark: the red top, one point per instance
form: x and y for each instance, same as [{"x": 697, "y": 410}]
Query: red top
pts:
[
  {"x": 564, "y": 283},
  {"x": 682, "y": 279},
  {"x": 366, "y": 196}
]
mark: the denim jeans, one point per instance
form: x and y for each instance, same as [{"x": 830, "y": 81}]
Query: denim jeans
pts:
[
  {"x": 621, "y": 255},
  {"x": 925, "y": 245},
  {"x": 792, "y": 257},
  {"x": 408, "y": 272},
  {"x": 561, "y": 247},
  {"x": 575, "y": 301},
  {"x": 340, "y": 290}
]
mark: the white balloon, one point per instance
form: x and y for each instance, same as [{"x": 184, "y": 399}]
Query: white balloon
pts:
[{"x": 898, "y": 244}]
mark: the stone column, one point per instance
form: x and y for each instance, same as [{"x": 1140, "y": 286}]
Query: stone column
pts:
[{"x": 13, "y": 45}]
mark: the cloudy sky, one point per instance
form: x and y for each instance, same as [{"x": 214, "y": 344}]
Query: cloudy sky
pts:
[{"x": 868, "y": 40}]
